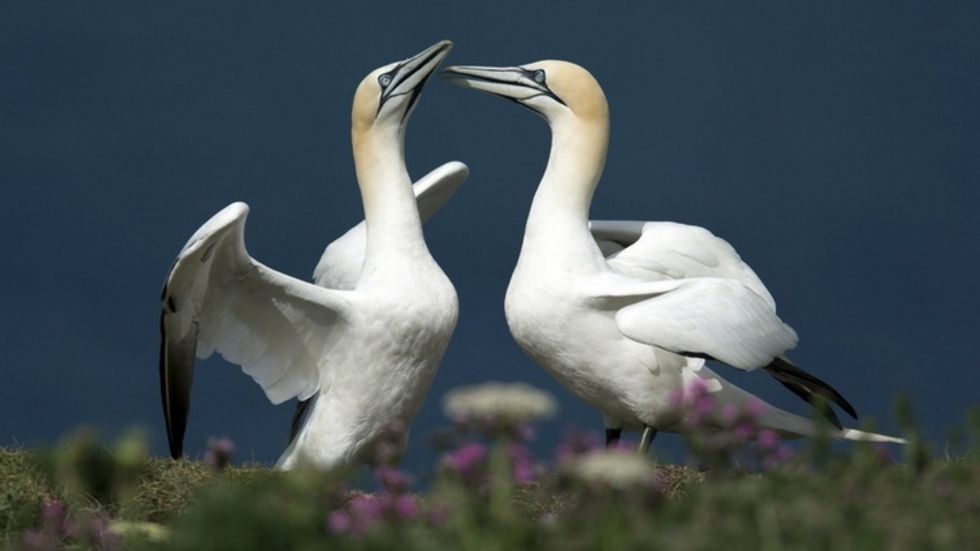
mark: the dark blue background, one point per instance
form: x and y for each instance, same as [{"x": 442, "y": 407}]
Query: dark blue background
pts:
[{"x": 836, "y": 145}]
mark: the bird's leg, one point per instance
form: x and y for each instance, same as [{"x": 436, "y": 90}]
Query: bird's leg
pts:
[
  {"x": 649, "y": 433},
  {"x": 612, "y": 437}
]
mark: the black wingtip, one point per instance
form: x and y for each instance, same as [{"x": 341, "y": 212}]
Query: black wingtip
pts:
[
  {"x": 818, "y": 402},
  {"x": 176, "y": 376},
  {"x": 807, "y": 386}
]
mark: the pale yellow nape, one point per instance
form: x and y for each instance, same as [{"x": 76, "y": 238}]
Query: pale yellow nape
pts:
[
  {"x": 367, "y": 97},
  {"x": 576, "y": 87}
]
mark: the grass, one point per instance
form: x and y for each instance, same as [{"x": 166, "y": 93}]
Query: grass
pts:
[
  {"x": 854, "y": 502},
  {"x": 23, "y": 488},
  {"x": 87, "y": 495},
  {"x": 121, "y": 482}
]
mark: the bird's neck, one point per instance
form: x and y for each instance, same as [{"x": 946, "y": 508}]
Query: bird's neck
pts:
[
  {"x": 559, "y": 216},
  {"x": 390, "y": 212}
]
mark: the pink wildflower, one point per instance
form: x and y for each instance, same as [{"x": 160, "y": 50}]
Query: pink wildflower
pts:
[
  {"x": 339, "y": 522},
  {"x": 756, "y": 408},
  {"x": 392, "y": 479},
  {"x": 768, "y": 439},
  {"x": 785, "y": 452},
  {"x": 466, "y": 461},
  {"x": 219, "y": 453},
  {"x": 729, "y": 414},
  {"x": 366, "y": 508},
  {"x": 744, "y": 432},
  {"x": 406, "y": 507},
  {"x": 575, "y": 443}
]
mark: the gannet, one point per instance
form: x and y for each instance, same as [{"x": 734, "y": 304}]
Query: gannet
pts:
[
  {"x": 624, "y": 314},
  {"x": 360, "y": 346}
]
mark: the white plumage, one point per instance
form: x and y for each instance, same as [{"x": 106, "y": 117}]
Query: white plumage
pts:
[
  {"x": 340, "y": 265},
  {"x": 624, "y": 313},
  {"x": 364, "y": 341}
]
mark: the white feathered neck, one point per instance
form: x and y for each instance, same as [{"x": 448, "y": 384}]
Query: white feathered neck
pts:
[
  {"x": 394, "y": 229},
  {"x": 558, "y": 223}
]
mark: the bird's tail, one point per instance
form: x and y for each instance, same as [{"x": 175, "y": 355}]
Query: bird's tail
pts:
[
  {"x": 792, "y": 425},
  {"x": 788, "y": 425},
  {"x": 862, "y": 436}
]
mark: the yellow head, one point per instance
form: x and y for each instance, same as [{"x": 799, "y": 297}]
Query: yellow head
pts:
[
  {"x": 553, "y": 89},
  {"x": 387, "y": 96}
]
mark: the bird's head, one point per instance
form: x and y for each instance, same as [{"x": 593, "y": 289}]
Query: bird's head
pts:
[
  {"x": 388, "y": 94},
  {"x": 554, "y": 89}
]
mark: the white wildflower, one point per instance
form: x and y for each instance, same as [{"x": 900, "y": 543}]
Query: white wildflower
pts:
[
  {"x": 517, "y": 402},
  {"x": 616, "y": 469},
  {"x": 149, "y": 531}
]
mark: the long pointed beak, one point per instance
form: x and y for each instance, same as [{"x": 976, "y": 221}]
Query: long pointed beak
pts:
[
  {"x": 510, "y": 82},
  {"x": 412, "y": 73}
]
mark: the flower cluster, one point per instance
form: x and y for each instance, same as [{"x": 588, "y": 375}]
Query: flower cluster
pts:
[
  {"x": 390, "y": 445},
  {"x": 58, "y": 530},
  {"x": 219, "y": 453},
  {"x": 468, "y": 463},
  {"x": 523, "y": 468},
  {"x": 392, "y": 504},
  {"x": 498, "y": 413},
  {"x": 511, "y": 403},
  {"x": 719, "y": 434},
  {"x": 364, "y": 511},
  {"x": 575, "y": 443},
  {"x": 616, "y": 469},
  {"x": 488, "y": 485}
]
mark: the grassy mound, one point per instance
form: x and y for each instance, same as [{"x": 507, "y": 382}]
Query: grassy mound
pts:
[
  {"x": 489, "y": 492},
  {"x": 860, "y": 501}
]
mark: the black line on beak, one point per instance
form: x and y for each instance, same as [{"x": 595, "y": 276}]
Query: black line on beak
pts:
[
  {"x": 399, "y": 78},
  {"x": 541, "y": 89}
]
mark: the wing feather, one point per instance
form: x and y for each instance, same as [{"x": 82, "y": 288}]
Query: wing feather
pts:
[
  {"x": 718, "y": 318},
  {"x": 176, "y": 375},
  {"x": 688, "y": 291},
  {"x": 217, "y": 298},
  {"x": 676, "y": 251}
]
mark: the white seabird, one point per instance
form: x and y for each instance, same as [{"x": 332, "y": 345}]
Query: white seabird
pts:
[
  {"x": 624, "y": 314},
  {"x": 360, "y": 346}
]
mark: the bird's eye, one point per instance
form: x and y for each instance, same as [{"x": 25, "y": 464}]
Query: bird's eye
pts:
[
  {"x": 539, "y": 76},
  {"x": 384, "y": 80}
]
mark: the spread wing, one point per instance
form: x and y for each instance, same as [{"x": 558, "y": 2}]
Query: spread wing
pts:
[
  {"x": 218, "y": 298},
  {"x": 340, "y": 265}
]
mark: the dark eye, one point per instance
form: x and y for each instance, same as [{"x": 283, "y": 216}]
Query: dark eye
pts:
[
  {"x": 384, "y": 80},
  {"x": 539, "y": 76}
]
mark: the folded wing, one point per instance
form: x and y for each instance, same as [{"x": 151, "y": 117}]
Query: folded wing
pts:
[
  {"x": 682, "y": 289},
  {"x": 708, "y": 317},
  {"x": 658, "y": 250}
]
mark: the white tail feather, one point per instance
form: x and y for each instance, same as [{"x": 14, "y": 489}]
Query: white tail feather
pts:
[
  {"x": 862, "y": 436},
  {"x": 791, "y": 425}
]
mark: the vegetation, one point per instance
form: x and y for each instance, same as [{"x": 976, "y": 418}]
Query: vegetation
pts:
[{"x": 490, "y": 493}]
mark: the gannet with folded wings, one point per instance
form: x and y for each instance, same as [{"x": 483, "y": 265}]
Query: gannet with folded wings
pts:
[{"x": 625, "y": 314}]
